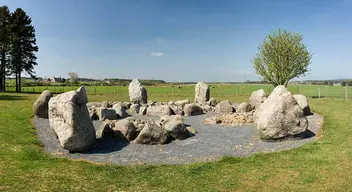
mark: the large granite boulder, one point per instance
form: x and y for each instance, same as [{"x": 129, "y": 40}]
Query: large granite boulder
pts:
[
  {"x": 152, "y": 134},
  {"x": 303, "y": 103},
  {"x": 175, "y": 127},
  {"x": 125, "y": 129},
  {"x": 138, "y": 94},
  {"x": 224, "y": 107},
  {"x": 160, "y": 110},
  {"x": 69, "y": 118},
  {"x": 257, "y": 98},
  {"x": 202, "y": 93},
  {"x": 192, "y": 109},
  {"x": 280, "y": 116},
  {"x": 40, "y": 106}
]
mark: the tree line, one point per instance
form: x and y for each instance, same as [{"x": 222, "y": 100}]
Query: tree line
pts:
[{"x": 17, "y": 46}]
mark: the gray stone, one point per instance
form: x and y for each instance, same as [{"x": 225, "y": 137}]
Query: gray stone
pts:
[
  {"x": 120, "y": 110},
  {"x": 224, "y": 107},
  {"x": 303, "y": 103},
  {"x": 138, "y": 94},
  {"x": 212, "y": 102},
  {"x": 257, "y": 98},
  {"x": 104, "y": 130},
  {"x": 159, "y": 110},
  {"x": 93, "y": 116},
  {"x": 177, "y": 110},
  {"x": 244, "y": 107},
  {"x": 143, "y": 110},
  {"x": 280, "y": 116},
  {"x": 202, "y": 93},
  {"x": 134, "y": 108},
  {"x": 106, "y": 113},
  {"x": 192, "y": 109},
  {"x": 125, "y": 129},
  {"x": 69, "y": 118},
  {"x": 40, "y": 106},
  {"x": 176, "y": 128},
  {"x": 182, "y": 103},
  {"x": 152, "y": 134}
]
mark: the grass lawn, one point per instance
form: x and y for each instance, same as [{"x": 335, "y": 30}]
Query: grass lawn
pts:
[
  {"x": 324, "y": 165},
  {"x": 187, "y": 91}
]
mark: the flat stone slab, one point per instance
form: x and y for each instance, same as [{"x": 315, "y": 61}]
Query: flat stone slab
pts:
[{"x": 210, "y": 143}]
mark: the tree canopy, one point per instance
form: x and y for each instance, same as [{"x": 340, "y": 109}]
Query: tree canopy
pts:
[
  {"x": 282, "y": 56},
  {"x": 17, "y": 45}
]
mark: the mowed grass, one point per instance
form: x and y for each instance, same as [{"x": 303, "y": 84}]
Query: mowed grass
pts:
[
  {"x": 323, "y": 165},
  {"x": 187, "y": 91}
]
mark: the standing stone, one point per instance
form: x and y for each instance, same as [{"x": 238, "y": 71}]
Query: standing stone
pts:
[
  {"x": 202, "y": 93},
  {"x": 280, "y": 116},
  {"x": 138, "y": 94},
  {"x": 40, "y": 106},
  {"x": 257, "y": 98},
  {"x": 152, "y": 134},
  {"x": 303, "y": 103},
  {"x": 69, "y": 118},
  {"x": 224, "y": 107},
  {"x": 192, "y": 109}
]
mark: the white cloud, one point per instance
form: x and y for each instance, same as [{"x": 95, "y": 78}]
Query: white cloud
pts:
[{"x": 156, "y": 54}]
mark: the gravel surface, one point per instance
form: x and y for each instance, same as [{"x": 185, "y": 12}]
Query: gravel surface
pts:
[{"x": 210, "y": 143}]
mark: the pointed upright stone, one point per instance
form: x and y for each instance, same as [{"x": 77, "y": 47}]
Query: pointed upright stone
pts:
[
  {"x": 138, "y": 94},
  {"x": 69, "y": 118},
  {"x": 202, "y": 93}
]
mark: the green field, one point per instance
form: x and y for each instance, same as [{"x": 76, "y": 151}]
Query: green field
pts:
[
  {"x": 323, "y": 165},
  {"x": 185, "y": 91}
]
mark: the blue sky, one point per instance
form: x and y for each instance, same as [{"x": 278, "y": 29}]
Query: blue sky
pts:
[{"x": 182, "y": 40}]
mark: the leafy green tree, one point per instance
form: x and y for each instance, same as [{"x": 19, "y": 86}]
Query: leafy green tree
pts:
[
  {"x": 282, "y": 56},
  {"x": 4, "y": 43},
  {"x": 23, "y": 46},
  {"x": 343, "y": 83}
]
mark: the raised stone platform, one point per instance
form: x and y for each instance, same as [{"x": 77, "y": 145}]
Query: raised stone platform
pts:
[{"x": 212, "y": 142}]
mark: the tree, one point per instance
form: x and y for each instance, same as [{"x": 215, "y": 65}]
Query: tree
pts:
[
  {"x": 282, "y": 56},
  {"x": 23, "y": 46},
  {"x": 73, "y": 77},
  {"x": 343, "y": 83},
  {"x": 4, "y": 43}
]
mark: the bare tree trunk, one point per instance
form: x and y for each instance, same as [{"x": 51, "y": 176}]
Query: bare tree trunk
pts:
[
  {"x": 19, "y": 82},
  {"x": 2, "y": 74},
  {"x": 16, "y": 82}
]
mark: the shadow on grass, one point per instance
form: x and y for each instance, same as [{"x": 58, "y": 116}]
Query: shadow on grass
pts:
[{"x": 12, "y": 97}]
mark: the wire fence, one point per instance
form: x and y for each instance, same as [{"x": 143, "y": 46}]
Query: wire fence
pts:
[{"x": 312, "y": 91}]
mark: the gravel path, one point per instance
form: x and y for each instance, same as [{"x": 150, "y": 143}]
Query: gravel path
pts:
[{"x": 210, "y": 143}]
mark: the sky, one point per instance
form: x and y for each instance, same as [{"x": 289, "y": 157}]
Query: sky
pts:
[{"x": 183, "y": 40}]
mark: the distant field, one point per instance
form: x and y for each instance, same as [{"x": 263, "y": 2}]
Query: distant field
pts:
[{"x": 183, "y": 91}]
